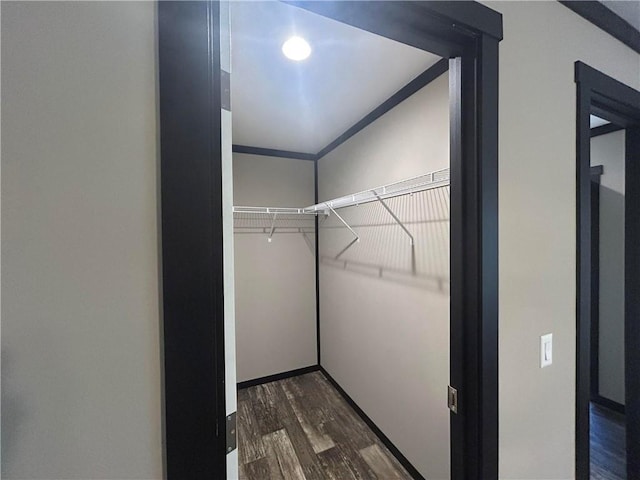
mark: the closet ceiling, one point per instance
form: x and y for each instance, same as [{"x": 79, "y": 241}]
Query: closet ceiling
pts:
[
  {"x": 597, "y": 121},
  {"x": 303, "y": 106}
]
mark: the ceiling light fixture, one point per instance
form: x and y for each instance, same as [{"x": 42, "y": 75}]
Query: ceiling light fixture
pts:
[{"x": 296, "y": 48}]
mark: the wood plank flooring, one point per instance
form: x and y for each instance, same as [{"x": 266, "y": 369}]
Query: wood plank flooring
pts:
[
  {"x": 608, "y": 444},
  {"x": 301, "y": 428}
]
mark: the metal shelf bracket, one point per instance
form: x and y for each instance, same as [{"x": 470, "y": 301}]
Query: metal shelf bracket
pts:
[
  {"x": 273, "y": 226},
  {"x": 393, "y": 215},
  {"x": 355, "y": 240},
  {"x": 399, "y": 222}
]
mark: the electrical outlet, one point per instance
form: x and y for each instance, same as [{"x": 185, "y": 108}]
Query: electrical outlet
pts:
[{"x": 546, "y": 350}]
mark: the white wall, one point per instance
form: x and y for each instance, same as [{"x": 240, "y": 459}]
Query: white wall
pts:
[
  {"x": 608, "y": 151},
  {"x": 542, "y": 40},
  {"x": 385, "y": 334},
  {"x": 274, "y": 281},
  {"x": 80, "y": 314}
]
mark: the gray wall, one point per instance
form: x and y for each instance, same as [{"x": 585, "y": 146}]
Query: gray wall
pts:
[
  {"x": 274, "y": 282},
  {"x": 81, "y": 384},
  {"x": 608, "y": 151},
  {"x": 537, "y": 211},
  {"x": 385, "y": 333}
]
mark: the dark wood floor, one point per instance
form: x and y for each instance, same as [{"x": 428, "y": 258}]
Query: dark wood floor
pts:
[
  {"x": 608, "y": 445},
  {"x": 301, "y": 428}
]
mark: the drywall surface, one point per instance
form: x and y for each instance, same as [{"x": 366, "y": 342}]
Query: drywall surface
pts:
[
  {"x": 385, "y": 327},
  {"x": 81, "y": 381},
  {"x": 608, "y": 151},
  {"x": 542, "y": 40},
  {"x": 275, "y": 281}
]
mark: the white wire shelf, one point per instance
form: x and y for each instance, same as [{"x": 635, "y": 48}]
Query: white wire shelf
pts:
[
  {"x": 270, "y": 219},
  {"x": 275, "y": 210},
  {"x": 427, "y": 181}
]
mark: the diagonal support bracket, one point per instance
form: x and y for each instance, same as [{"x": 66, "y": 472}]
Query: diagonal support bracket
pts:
[
  {"x": 399, "y": 222},
  {"x": 273, "y": 226},
  {"x": 393, "y": 215},
  {"x": 355, "y": 240}
]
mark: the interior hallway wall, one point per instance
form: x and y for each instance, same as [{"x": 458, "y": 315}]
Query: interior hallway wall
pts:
[
  {"x": 537, "y": 211},
  {"x": 81, "y": 381},
  {"x": 274, "y": 281},
  {"x": 385, "y": 333},
  {"x": 609, "y": 151}
]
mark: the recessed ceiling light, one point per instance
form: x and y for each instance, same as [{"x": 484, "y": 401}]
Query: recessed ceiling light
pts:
[{"x": 296, "y": 48}]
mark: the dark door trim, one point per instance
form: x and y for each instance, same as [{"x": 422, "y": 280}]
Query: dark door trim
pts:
[
  {"x": 632, "y": 294},
  {"x": 600, "y": 94},
  {"x": 467, "y": 33},
  {"x": 192, "y": 267}
]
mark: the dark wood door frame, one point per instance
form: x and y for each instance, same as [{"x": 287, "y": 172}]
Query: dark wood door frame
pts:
[
  {"x": 600, "y": 94},
  {"x": 192, "y": 269},
  {"x": 468, "y": 34}
]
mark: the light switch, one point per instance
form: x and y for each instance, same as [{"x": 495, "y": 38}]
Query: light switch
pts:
[{"x": 546, "y": 350}]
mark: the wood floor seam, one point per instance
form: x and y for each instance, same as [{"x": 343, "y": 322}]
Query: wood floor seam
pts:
[{"x": 301, "y": 428}]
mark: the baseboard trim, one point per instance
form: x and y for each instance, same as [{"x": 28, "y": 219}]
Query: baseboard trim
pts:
[
  {"x": 370, "y": 423},
  {"x": 277, "y": 376},
  {"x": 607, "y": 403}
]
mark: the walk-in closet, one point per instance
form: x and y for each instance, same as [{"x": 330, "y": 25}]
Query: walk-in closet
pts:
[{"x": 341, "y": 250}]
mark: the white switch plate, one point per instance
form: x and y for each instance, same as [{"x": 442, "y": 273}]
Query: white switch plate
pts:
[{"x": 546, "y": 350}]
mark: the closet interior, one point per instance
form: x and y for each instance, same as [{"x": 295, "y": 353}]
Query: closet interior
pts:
[{"x": 341, "y": 249}]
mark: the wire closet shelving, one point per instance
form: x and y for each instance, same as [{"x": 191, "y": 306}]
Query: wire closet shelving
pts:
[
  {"x": 427, "y": 181},
  {"x": 302, "y": 220}
]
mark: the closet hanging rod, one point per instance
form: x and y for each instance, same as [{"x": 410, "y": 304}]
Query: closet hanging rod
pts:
[{"x": 427, "y": 181}]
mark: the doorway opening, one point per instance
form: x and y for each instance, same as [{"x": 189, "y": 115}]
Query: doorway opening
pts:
[
  {"x": 197, "y": 222},
  {"x": 341, "y": 246},
  {"x": 608, "y": 429},
  {"x": 608, "y": 325}
]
